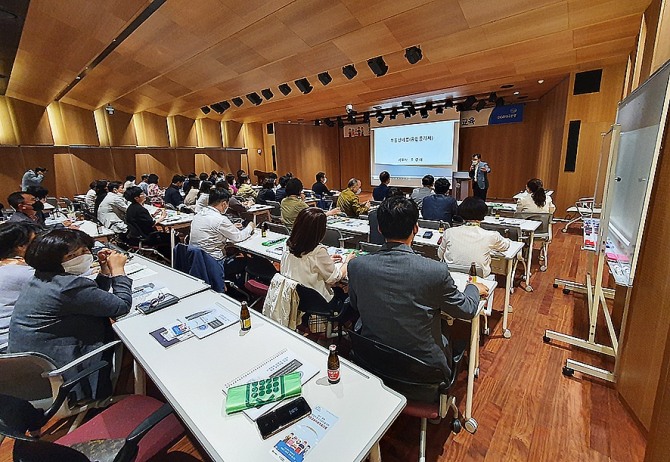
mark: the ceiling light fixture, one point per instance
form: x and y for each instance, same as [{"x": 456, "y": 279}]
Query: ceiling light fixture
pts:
[
  {"x": 303, "y": 85},
  {"x": 349, "y": 71},
  {"x": 237, "y": 101},
  {"x": 378, "y": 66},
  {"x": 205, "y": 110},
  {"x": 413, "y": 54},
  {"x": 254, "y": 98},
  {"x": 325, "y": 78},
  {"x": 267, "y": 94},
  {"x": 284, "y": 89},
  {"x": 480, "y": 105}
]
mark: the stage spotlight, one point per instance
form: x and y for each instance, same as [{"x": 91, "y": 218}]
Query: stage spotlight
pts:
[
  {"x": 225, "y": 105},
  {"x": 254, "y": 98},
  {"x": 407, "y": 104},
  {"x": 217, "y": 108},
  {"x": 285, "y": 89},
  {"x": 380, "y": 116},
  {"x": 424, "y": 113},
  {"x": 237, "y": 101},
  {"x": 267, "y": 94},
  {"x": 340, "y": 122},
  {"x": 303, "y": 85},
  {"x": 460, "y": 107},
  {"x": 480, "y": 104},
  {"x": 205, "y": 110},
  {"x": 439, "y": 110},
  {"x": 378, "y": 66},
  {"x": 407, "y": 114},
  {"x": 411, "y": 110},
  {"x": 349, "y": 71},
  {"x": 317, "y": 122},
  {"x": 329, "y": 122},
  {"x": 413, "y": 54},
  {"x": 500, "y": 102},
  {"x": 492, "y": 97},
  {"x": 325, "y": 78},
  {"x": 394, "y": 114},
  {"x": 469, "y": 102},
  {"x": 449, "y": 103},
  {"x": 366, "y": 118},
  {"x": 352, "y": 118}
]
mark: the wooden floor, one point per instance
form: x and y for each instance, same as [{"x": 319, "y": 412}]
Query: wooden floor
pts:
[{"x": 526, "y": 409}]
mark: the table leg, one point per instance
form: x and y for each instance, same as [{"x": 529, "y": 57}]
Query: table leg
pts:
[
  {"x": 172, "y": 244},
  {"x": 508, "y": 286},
  {"x": 529, "y": 288},
  {"x": 470, "y": 422},
  {"x": 140, "y": 379}
]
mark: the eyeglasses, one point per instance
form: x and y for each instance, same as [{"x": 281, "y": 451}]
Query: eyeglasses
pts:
[{"x": 153, "y": 303}]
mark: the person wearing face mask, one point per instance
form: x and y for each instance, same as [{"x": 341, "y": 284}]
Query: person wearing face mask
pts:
[
  {"x": 348, "y": 201},
  {"x": 25, "y": 207},
  {"x": 320, "y": 188},
  {"x": 111, "y": 208},
  {"x": 267, "y": 193},
  {"x": 64, "y": 315},
  {"x": 211, "y": 229},
  {"x": 144, "y": 223}
]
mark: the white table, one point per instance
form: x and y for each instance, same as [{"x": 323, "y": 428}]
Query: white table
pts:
[
  {"x": 174, "y": 220},
  {"x": 349, "y": 225},
  {"x": 97, "y": 232},
  {"x": 254, "y": 245},
  {"x": 192, "y": 373},
  {"x": 257, "y": 210}
]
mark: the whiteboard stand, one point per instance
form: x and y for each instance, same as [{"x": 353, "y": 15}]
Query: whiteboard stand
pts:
[{"x": 594, "y": 293}]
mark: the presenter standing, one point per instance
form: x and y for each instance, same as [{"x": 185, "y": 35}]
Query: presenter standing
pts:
[{"x": 479, "y": 173}]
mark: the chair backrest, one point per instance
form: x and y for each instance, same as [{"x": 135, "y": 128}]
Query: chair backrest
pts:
[
  {"x": 276, "y": 208},
  {"x": 332, "y": 238},
  {"x": 261, "y": 269},
  {"x": 465, "y": 269},
  {"x": 428, "y": 251},
  {"x": 509, "y": 231},
  {"x": 375, "y": 236},
  {"x": 191, "y": 259},
  {"x": 429, "y": 224},
  {"x": 21, "y": 377},
  {"x": 325, "y": 203},
  {"x": 312, "y": 302},
  {"x": 544, "y": 218},
  {"x": 369, "y": 246},
  {"x": 363, "y": 217},
  {"x": 52, "y": 201},
  {"x": 134, "y": 232},
  {"x": 277, "y": 228},
  {"x": 404, "y": 373}
]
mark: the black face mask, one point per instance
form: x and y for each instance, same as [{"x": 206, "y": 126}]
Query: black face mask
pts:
[{"x": 38, "y": 206}]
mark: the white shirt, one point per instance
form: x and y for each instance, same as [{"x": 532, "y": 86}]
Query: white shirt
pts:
[
  {"x": 202, "y": 202},
  {"x": 525, "y": 204},
  {"x": 112, "y": 212},
  {"x": 191, "y": 196},
  {"x": 465, "y": 244},
  {"x": 210, "y": 230},
  {"x": 315, "y": 270},
  {"x": 128, "y": 184},
  {"x": 90, "y": 200}
]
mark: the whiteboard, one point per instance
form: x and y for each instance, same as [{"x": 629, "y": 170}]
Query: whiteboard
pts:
[{"x": 642, "y": 117}]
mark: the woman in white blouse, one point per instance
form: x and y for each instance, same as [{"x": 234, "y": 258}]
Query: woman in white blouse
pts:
[
  {"x": 535, "y": 199},
  {"x": 307, "y": 261}
]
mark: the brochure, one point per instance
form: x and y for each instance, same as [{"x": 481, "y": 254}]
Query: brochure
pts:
[
  {"x": 303, "y": 436},
  {"x": 211, "y": 319}
]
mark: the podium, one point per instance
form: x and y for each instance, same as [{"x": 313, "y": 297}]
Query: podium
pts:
[{"x": 460, "y": 185}]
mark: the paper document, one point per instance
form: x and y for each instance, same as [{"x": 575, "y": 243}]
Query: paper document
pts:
[
  {"x": 303, "y": 436},
  {"x": 209, "y": 320}
]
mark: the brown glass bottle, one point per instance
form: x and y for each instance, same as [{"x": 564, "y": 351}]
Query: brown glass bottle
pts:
[
  {"x": 264, "y": 230},
  {"x": 473, "y": 272},
  {"x": 333, "y": 365},
  {"x": 245, "y": 317}
]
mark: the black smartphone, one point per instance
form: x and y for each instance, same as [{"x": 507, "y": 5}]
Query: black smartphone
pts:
[
  {"x": 427, "y": 234},
  {"x": 282, "y": 417}
]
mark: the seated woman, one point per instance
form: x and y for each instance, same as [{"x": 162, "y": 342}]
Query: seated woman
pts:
[
  {"x": 469, "y": 243},
  {"x": 155, "y": 193},
  {"x": 267, "y": 193},
  {"x": 141, "y": 220},
  {"x": 307, "y": 261},
  {"x": 111, "y": 208},
  {"x": 244, "y": 188},
  {"x": 14, "y": 272},
  {"x": 64, "y": 315},
  {"x": 535, "y": 199},
  {"x": 202, "y": 200}
]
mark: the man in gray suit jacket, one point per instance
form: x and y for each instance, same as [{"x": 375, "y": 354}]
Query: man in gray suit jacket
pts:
[
  {"x": 400, "y": 294},
  {"x": 479, "y": 172}
]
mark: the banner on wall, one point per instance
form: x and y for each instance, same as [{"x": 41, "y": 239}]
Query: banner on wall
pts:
[
  {"x": 510, "y": 114},
  {"x": 352, "y": 131}
]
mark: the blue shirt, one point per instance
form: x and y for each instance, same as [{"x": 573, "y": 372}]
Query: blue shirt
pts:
[
  {"x": 439, "y": 207},
  {"x": 380, "y": 192}
]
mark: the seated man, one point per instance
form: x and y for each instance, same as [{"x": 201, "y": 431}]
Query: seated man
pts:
[
  {"x": 440, "y": 206},
  {"x": 400, "y": 294},
  {"x": 425, "y": 190},
  {"x": 26, "y": 207},
  {"x": 211, "y": 229},
  {"x": 348, "y": 200},
  {"x": 172, "y": 193},
  {"x": 470, "y": 243},
  {"x": 320, "y": 189},
  {"x": 280, "y": 193},
  {"x": 381, "y": 192}
]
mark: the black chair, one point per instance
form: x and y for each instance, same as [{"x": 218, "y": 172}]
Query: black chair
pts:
[
  {"x": 425, "y": 386},
  {"x": 312, "y": 303},
  {"x": 22, "y": 422},
  {"x": 139, "y": 242},
  {"x": 277, "y": 228},
  {"x": 259, "y": 273}
]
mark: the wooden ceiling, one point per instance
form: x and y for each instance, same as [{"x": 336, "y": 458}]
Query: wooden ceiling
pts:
[{"x": 190, "y": 54}]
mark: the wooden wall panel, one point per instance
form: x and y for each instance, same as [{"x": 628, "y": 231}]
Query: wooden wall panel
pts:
[
  {"x": 153, "y": 163},
  {"x": 305, "y": 150},
  {"x": 8, "y": 129},
  {"x": 123, "y": 160},
  {"x": 648, "y": 322},
  {"x": 662, "y": 47},
  {"x": 254, "y": 142},
  {"x": 658, "y": 443},
  {"x": 31, "y": 123},
  {"x": 182, "y": 132},
  {"x": 354, "y": 162},
  {"x": 184, "y": 161},
  {"x": 551, "y": 136},
  {"x": 79, "y": 125},
  {"x": 209, "y": 133},
  {"x": 151, "y": 129},
  {"x": 597, "y": 112},
  {"x": 11, "y": 172},
  {"x": 233, "y": 134},
  {"x": 651, "y": 17},
  {"x": 121, "y": 128},
  {"x": 510, "y": 149}
]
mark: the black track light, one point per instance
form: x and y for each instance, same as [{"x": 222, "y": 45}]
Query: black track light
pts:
[
  {"x": 329, "y": 122},
  {"x": 424, "y": 113},
  {"x": 460, "y": 107},
  {"x": 366, "y": 118},
  {"x": 303, "y": 85},
  {"x": 317, "y": 122},
  {"x": 500, "y": 102},
  {"x": 340, "y": 122},
  {"x": 254, "y": 98},
  {"x": 216, "y": 107},
  {"x": 492, "y": 97},
  {"x": 469, "y": 102},
  {"x": 351, "y": 118},
  {"x": 411, "y": 110},
  {"x": 394, "y": 114},
  {"x": 284, "y": 89},
  {"x": 205, "y": 110},
  {"x": 325, "y": 78},
  {"x": 267, "y": 94},
  {"x": 407, "y": 114},
  {"x": 480, "y": 105},
  {"x": 349, "y": 71},
  {"x": 449, "y": 103},
  {"x": 407, "y": 104},
  {"x": 380, "y": 116},
  {"x": 237, "y": 101},
  {"x": 439, "y": 110},
  {"x": 378, "y": 66},
  {"x": 413, "y": 54}
]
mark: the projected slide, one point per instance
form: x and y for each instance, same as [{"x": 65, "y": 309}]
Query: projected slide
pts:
[{"x": 408, "y": 152}]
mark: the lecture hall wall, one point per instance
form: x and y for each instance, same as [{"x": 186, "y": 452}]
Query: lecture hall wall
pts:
[{"x": 78, "y": 145}]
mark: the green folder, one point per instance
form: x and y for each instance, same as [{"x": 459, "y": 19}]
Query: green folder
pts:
[{"x": 256, "y": 394}]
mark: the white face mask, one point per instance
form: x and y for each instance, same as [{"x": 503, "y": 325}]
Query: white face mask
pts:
[
  {"x": 78, "y": 265},
  {"x": 325, "y": 180}
]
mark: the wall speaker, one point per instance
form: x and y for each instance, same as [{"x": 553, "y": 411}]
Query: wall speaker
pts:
[
  {"x": 274, "y": 158},
  {"x": 413, "y": 54},
  {"x": 270, "y": 129}
]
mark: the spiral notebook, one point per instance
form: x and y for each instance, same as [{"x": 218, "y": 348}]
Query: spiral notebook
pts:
[{"x": 282, "y": 363}]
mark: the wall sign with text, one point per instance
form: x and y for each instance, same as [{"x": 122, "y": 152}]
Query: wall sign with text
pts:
[
  {"x": 510, "y": 114},
  {"x": 352, "y": 131}
]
